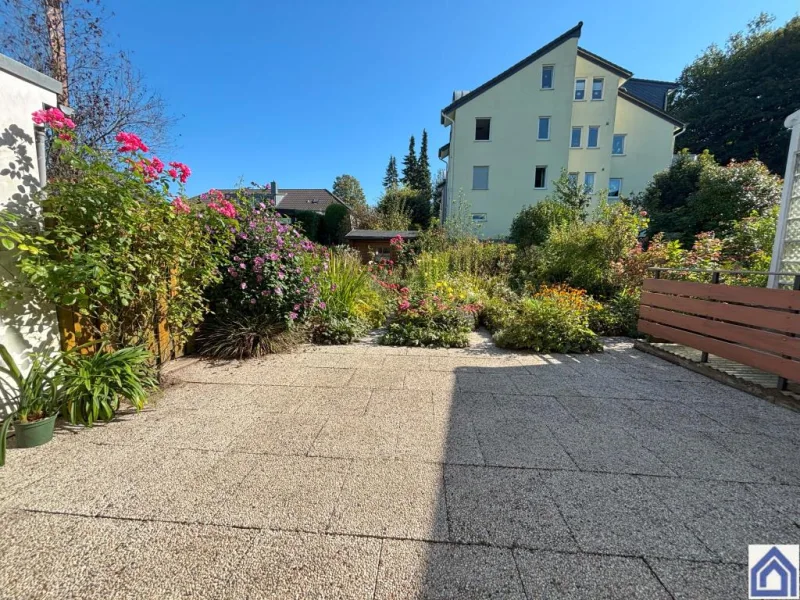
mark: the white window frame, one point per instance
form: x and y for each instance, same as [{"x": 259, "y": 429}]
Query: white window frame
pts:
[
  {"x": 575, "y": 90},
  {"x": 619, "y": 191},
  {"x": 588, "y": 189},
  {"x": 580, "y": 137},
  {"x": 574, "y": 179},
  {"x": 552, "y": 77},
  {"x": 544, "y": 177},
  {"x": 539, "y": 129},
  {"x": 589, "y": 137},
  {"x": 481, "y": 217},
  {"x": 487, "y": 177},
  {"x": 623, "y": 136},
  {"x": 602, "y": 81},
  {"x": 476, "y": 128}
]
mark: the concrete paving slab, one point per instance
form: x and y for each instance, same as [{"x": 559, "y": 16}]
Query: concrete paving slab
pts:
[
  {"x": 607, "y": 449},
  {"x": 394, "y": 499},
  {"x": 430, "y": 380},
  {"x": 357, "y": 437},
  {"x": 692, "y": 580},
  {"x": 486, "y": 383},
  {"x": 401, "y": 403},
  {"x": 299, "y": 565},
  {"x": 725, "y": 516},
  {"x": 503, "y": 507},
  {"x": 541, "y": 409},
  {"x": 774, "y": 459},
  {"x": 675, "y": 417},
  {"x": 315, "y": 377},
  {"x": 285, "y": 492},
  {"x": 614, "y": 514},
  {"x": 515, "y": 443},
  {"x": 280, "y": 434},
  {"x": 555, "y": 381},
  {"x": 697, "y": 454},
  {"x": 379, "y": 379},
  {"x": 582, "y": 576},
  {"x": 332, "y": 401},
  {"x": 442, "y": 439},
  {"x": 611, "y": 412},
  {"x": 428, "y": 570}
]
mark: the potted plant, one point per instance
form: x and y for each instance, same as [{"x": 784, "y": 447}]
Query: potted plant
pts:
[{"x": 35, "y": 399}]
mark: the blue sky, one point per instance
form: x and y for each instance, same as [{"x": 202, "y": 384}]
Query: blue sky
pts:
[{"x": 303, "y": 91}]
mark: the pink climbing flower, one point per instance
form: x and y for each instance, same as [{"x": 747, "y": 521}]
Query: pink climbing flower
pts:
[
  {"x": 130, "y": 142},
  {"x": 180, "y": 206},
  {"x": 179, "y": 171},
  {"x": 54, "y": 118}
]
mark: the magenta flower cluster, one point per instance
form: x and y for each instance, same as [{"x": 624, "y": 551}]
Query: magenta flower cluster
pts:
[{"x": 268, "y": 273}]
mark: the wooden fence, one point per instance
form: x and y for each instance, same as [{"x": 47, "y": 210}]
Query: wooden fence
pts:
[
  {"x": 757, "y": 327},
  {"x": 76, "y": 330}
]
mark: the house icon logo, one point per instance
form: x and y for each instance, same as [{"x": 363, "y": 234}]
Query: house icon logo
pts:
[{"x": 774, "y": 571}]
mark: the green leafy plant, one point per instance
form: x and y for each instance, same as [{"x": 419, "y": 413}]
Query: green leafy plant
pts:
[
  {"x": 554, "y": 319},
  {"x": 92, "y": 385},
  {"x": 329, "y": 330},
  {"x": 427, "y": 320},
  {"x": 532, "y": 224},
  {"x": 34, "y": 395},
  {"x": 617, "y": 316}
]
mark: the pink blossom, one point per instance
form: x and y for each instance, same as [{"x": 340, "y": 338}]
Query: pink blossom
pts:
[
  {"x": 182, "y": 171},
  {"x": 244, "y": 285},
  {"x": 293, "y": 315},
  {"x": 130, "y": 142},
  {"x": 54, "y": 118},
  {"x": 180, "y": 206},
  {"x": 322, "y": 305},
  {"x": 252, "y": 300}
]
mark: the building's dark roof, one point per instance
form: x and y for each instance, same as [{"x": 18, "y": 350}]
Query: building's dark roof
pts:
[
  {"x": 306, "y": 199},
  {"x": 602, "y": 62},
  {"x": 651, "y": 91},
  {"x": 316, "y": 200},
  {"x": 649, "y": 107},
  {"x": 572, "y": 33},
  {"x": 379, "y": 234}
]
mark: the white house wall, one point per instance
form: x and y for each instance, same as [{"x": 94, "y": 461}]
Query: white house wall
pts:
[
  {"x": 514, "y": 106},
  {"x": 24, "y": 326}
]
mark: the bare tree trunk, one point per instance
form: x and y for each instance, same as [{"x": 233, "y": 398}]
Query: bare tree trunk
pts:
[{"x": 54, "y": 13}]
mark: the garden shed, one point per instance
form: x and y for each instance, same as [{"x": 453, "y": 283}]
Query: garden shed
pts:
[{"x": 374, "y": 243}]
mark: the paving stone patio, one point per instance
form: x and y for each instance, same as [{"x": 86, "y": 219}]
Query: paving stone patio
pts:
[{"x": 371, "y": 472}]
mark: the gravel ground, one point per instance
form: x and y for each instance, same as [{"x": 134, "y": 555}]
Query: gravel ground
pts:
[{"x": 372, "y": 472}]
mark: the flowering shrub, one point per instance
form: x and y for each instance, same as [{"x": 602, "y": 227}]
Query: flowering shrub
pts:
[
  {"x": 266, "y": 271},
  {"x": 115, "y": 248},
  {"x": 619, "y": 315},
  {"x": 428, "y": 320},
  {"x": 554, "y": 319}
]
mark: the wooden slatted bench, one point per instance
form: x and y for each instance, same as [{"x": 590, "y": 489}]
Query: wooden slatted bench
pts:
[{"x": 757, "y": 327}]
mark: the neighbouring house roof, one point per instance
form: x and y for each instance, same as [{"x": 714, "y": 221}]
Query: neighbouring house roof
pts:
[
  {"x": 379, "y": 234},
  {"x": 649, "y": 107},
  {"x": 650, "y": 90},
  {"x": 316, "y": 200},
  {"x": 572, "y": 33},
  {"x": 9, "y": 65}
]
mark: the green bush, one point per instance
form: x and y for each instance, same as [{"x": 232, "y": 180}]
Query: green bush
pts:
[
  {"x": 582, "y": 254},
  {"x": 531, "y": 227},
  {"x": 331, "y": 330},
  {"x": 618, "y": 316},
  {"x": 426, "y": 320},
  {"x": 553, "y": 320},
  {"x": 310, "y": 223},
  {"x": 239, "y": 336},
  {"x": 337, "y": 224}
]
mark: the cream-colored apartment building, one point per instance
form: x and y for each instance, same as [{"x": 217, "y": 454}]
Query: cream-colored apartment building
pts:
[{"x": 561, "y": 108}]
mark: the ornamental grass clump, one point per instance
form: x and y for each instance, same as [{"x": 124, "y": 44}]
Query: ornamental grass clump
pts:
[{"x": 554, "y": 319}]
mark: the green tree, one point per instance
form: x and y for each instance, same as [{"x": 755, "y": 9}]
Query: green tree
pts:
[
  {"x": 394, "y": 208},
  {"x": 696, "y": 195},
  {"x": 531, "y": 226},
  {"x": 438, "y": 190},
  {"x": 337, "y": 223},
  {"x": 410, "y": 164},
  {"x": 348, "y": 189},
  {"x": 423, "y": 179},
  {"x": 572, "y": 194},
  {"x": 391, "y": 179},
  {"x": 735, "y": 98}
]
